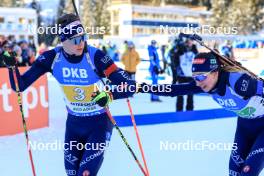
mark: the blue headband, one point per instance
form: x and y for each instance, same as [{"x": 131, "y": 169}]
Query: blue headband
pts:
[
  {"x": 70, "y": 30},
  {"x": 205, "y": 62}
]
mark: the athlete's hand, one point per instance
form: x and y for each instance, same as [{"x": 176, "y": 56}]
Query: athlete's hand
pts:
[
  {"x": 102, "y": 98},
  {"x": 9, "y": 59},
  {"x": 161, "y": 71},
  {"x": 143, "y": 88},
  {"x": 156, "y": 69}
]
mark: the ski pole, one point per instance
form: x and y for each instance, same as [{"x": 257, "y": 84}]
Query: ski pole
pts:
[
  {"x": 23, "y": 120},
  {"x": 137, "y": 135},
  {"x": 125, "y": 141},
  {"x": 123, "y": 137}
]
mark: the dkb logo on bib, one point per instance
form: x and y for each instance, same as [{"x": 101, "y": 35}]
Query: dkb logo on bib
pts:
[{"x": 74, "y": 73}]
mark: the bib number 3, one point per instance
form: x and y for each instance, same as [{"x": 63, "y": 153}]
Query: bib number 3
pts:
[{"x": 80, "y": 94}]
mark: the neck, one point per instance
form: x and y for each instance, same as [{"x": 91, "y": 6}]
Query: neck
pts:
[
  {"x": 221, "y": 83},
  {"x": 67, "y": 51},
  {"x": 72, "y": 58}
]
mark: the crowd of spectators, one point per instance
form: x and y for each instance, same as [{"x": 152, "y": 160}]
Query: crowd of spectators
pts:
[{"x": 25, "y": 51}]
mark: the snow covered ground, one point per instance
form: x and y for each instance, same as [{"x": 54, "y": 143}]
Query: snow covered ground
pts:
[{"x": 118, "y": 161}]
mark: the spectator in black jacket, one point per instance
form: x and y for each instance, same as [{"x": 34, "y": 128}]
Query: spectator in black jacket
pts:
[{"x": 181, "y": 56}]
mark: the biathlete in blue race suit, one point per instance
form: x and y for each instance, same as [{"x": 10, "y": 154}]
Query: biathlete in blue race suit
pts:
[
  {"x": 154, "y": 67},
  {"x": 235, "y": 91},
  {"x": 78, "y": 69}
]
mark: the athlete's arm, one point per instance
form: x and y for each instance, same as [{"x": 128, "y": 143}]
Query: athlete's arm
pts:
[
  {"x": 38, "y": 68},
  {"x": 106, "y": 66},
  {"x": 245, "y": 85},
  {"x": 171, "y": 89}
]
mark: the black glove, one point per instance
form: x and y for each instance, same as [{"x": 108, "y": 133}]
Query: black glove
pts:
[
  {"x": 161, "y": 71},
  {"x": 156, "y": 69},
  {"x": 9, "y": 59},
  {"x": 102, "y": 98},
  {"x": 143, "y": 88}
]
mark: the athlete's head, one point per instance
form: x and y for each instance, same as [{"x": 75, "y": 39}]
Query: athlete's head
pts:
[
  {"x": 153, "y": 43},
  {"x": 205, "y": 71},
  {"x": 72, "y": 34}
]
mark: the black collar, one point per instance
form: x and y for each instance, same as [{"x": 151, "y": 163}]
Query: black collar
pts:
[
  {"x": 72, "y": 58},
  {"x": 223, "y": 80}
]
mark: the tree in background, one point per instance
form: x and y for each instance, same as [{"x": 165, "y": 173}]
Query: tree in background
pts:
[
  {"x": 86, "y": 14},
  {"x": 257, "y": 11},
  {"x": 244, "y": 14},
  {"x": 61, "y": 7},
  {"x": 8, "y": 3},
  {"x": 206, "y": 3},
  {"x": 68, "y": 6},
  {"x": 220, "y": 12},
  {"x": 96, "y": 16}
]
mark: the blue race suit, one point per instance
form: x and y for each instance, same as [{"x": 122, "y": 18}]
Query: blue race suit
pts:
[
  {"x": 87, "y": 124},
  {"x": 154, "y": 67},
  {"x": 240, "y": 93}
]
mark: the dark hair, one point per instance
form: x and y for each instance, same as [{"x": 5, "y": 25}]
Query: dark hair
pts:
[
  {"x": 66, "y": 19},
  {"x": 3, "y": 43}
]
